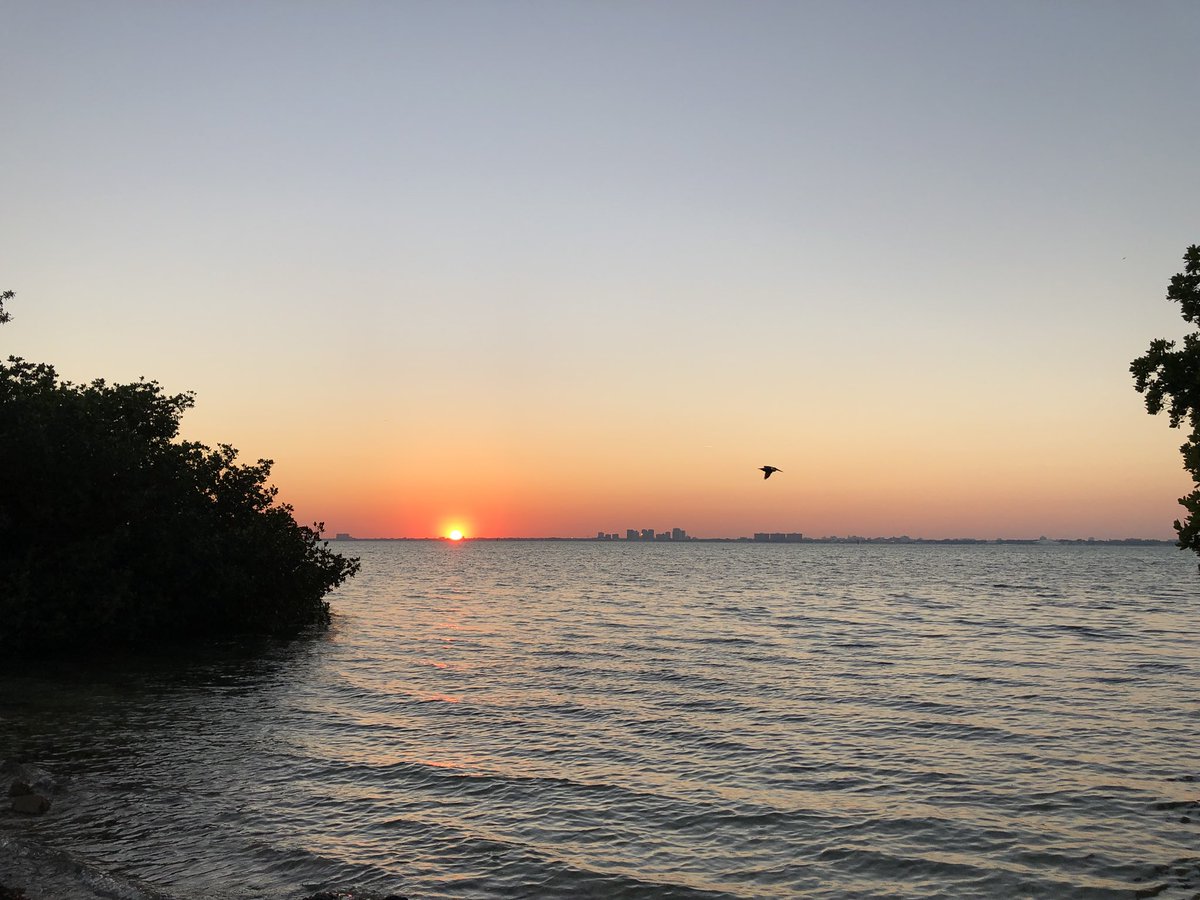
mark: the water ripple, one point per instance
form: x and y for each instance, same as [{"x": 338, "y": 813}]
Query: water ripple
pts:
[{"x": 734, "y": 721}]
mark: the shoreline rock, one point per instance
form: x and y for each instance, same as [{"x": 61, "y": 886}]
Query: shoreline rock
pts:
[
  {"x": 28, "y": 787},
  {"x": 30, "y": 804}
]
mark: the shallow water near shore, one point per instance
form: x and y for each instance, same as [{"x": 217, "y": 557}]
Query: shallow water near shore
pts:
[{"x": 543, "y": 719}]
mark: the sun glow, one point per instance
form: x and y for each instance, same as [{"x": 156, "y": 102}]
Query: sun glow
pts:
[{"x": 455, "y": 535}]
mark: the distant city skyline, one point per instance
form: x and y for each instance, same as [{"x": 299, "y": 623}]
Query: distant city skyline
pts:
[
  {"x": 523, "y": 268},
  {"x": 762, "y": 537}
]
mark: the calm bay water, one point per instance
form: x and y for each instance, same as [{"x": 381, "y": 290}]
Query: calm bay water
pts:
[{"x": 697, "y": 720}]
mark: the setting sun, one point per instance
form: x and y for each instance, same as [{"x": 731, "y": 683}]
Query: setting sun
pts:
[{"x": 455, "y": 535}]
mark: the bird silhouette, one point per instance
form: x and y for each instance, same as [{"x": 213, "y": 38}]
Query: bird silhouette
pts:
[{"x": 768, "y": 471}]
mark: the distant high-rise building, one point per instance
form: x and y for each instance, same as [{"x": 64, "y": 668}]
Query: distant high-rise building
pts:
[
  {"x": 631, "y": 534},
  {"x": 678, "y": 534},
  {"x": 647, "y": 534},
  {"x": 663, "y": 536}
]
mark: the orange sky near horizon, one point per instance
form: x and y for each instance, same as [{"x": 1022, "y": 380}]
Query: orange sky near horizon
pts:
[{"x": 1075, "y": 481}]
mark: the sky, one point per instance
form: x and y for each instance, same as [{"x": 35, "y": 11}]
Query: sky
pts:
[{"x": 554, "y": 268}]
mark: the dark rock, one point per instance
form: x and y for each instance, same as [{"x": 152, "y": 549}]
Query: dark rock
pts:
[
  {"x": 8, "y": 893},
  {"x": 30, "y": 804},
  {"x": 37, "y": 780},
  {"x": 19, "y": 789}
]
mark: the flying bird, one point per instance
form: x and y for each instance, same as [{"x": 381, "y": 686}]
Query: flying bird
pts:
[{"x": 768, "y": 471}]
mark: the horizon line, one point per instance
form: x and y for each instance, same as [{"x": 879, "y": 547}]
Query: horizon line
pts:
[{"x": 825, "y": 539}]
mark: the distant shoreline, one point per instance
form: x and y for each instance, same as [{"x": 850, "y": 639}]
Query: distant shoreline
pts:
[{"x": 901, "y": 541}]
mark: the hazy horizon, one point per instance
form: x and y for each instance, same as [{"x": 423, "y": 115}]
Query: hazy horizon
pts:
[
  {"x": 807, "y": 538},
  {"x": 541, "y": 268}
]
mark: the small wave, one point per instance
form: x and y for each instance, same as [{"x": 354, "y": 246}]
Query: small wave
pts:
[
  {"x": 958, "y": 730},
  {"x": 1160, "y": 666},
  {"x": 1179, "y": 876}
]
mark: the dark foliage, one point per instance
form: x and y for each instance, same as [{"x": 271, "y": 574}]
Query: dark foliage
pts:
[
  {"x": 113, "y": 532},
  {"x": 1170, "y": 379}
]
